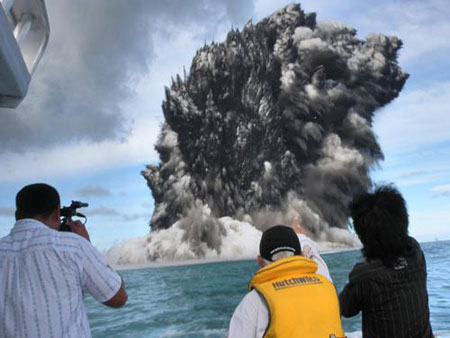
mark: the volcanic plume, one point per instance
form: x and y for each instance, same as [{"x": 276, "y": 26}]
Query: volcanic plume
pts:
[{"x": 272, "y": 123}]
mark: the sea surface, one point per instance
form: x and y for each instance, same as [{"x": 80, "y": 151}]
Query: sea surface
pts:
[{"x": 198, "y": 300}]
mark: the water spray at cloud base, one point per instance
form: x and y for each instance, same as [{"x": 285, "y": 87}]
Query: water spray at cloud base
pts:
[
  {"x": 273, "y": 123},
  {"x": 240, "y": 241}
]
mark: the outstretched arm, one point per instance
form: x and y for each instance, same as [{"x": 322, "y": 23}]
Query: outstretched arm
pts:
[
  {"x": 310, "y": 249},
  {"x": 350, "y": 300},
  {"x": 297, "y": 228}
]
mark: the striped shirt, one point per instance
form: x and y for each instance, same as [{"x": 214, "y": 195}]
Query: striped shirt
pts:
[
  {"x": 43, "y": 277},
  {"x": 393, "y": 301}
]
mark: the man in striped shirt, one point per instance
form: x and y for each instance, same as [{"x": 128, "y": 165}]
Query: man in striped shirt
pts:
[
  {"x": 390, "y": 286},
  {"x": 45, "y": 273}
]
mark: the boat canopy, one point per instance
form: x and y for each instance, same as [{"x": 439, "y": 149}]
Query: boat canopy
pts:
[{"x": 24, "y": 33}]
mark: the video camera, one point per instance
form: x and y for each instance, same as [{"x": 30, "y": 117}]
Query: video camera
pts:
[{"x": 68, "y": 212}]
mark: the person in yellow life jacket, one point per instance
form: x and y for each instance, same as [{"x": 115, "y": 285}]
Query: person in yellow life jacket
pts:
[{"x": 288, "y": 298}]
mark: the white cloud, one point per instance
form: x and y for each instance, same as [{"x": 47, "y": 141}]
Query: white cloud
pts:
[
  {"x": 418, "y": 119},
  {"x": 7, "y": 211},
  {"x": 422, "y": 25},
  {"x": 93, "y": 190},
  {"x": 102, "y": 211},
  {"x": 425, "y": 223},
  {"x": 441, "y": 190},
  {"x": 67, "y": 160},
  {"x": 117, "y": 215},
  {"x": 138, "y": 216},
  {"x": 415, "y": 168},
  {"x": 425, "y": 179}
]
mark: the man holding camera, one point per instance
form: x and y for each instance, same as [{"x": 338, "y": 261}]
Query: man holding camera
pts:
[{"x": 44, "y": 273}]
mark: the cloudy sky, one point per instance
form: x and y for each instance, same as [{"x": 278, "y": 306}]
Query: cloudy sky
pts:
[{"x": 93, "y": 110}]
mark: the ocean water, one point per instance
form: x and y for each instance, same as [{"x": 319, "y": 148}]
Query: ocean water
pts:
[{"x": 198, "y": 300}]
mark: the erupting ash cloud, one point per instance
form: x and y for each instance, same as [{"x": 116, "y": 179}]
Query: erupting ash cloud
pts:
[{"x": 275, "y": 122}]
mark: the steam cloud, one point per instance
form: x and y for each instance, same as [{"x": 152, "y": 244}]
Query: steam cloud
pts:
[{"x": 275, "y": 122}]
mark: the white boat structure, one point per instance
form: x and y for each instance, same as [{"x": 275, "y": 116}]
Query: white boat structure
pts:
[{"x": 24, "y": 33}]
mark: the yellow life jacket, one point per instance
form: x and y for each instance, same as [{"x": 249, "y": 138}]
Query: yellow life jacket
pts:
[{"x": 301, "y": 303}]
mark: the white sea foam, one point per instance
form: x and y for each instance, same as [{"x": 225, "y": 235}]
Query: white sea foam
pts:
[{"x": 170, "y": 247}]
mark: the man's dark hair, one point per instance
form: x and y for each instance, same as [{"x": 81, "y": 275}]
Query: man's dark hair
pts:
[
  {"x": 38, "y": 199},
  {"x": 380, "y": 219}
]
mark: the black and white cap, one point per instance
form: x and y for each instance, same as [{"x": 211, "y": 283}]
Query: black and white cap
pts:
[{"x": 279, "y": 238}]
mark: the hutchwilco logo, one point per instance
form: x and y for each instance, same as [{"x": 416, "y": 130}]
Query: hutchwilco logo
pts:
[{"x": 296, "y": 281}]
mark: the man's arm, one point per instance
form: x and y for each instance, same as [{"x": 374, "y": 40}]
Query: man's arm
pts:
[
  {"x": 350, "y": 300},
  {"x": 78, "y": 228},
  {"x": 119, "y": 299},
  {"x": 244, "y": 322},
  {"x": 310, "y": 250},
  {"x": 99, "y": 279}
]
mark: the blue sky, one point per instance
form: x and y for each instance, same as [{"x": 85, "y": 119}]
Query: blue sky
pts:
[{"x": 93, "y": 111}]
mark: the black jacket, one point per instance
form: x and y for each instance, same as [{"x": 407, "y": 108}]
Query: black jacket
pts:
[{"x": 393, "y": 300}]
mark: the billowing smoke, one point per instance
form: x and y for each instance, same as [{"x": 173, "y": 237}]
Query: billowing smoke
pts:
[{"x": 273, "y": 123}]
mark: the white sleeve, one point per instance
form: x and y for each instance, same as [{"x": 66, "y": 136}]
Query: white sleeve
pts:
[
  {"x": 98, "y": 279},
  {"x": 245, "y": 322},
  {"x": 322, "y": 268}
]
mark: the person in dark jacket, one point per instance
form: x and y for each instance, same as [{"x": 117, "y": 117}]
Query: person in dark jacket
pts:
[{"x": 390, "y": 286}]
